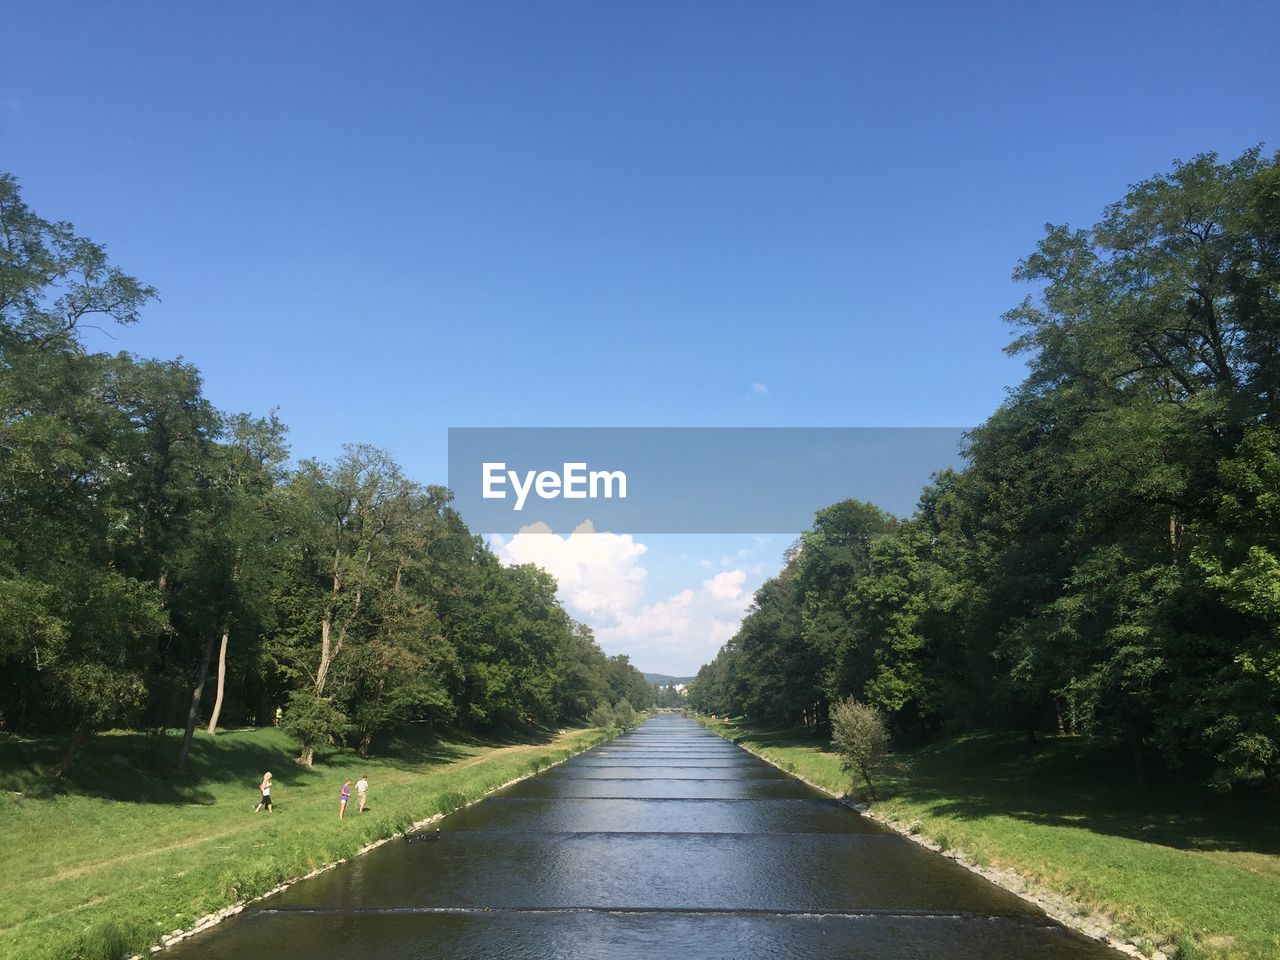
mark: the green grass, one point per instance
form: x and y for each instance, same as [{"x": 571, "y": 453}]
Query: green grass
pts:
[
  {"x": 126, "y": 852},
  {"x": 1195, "y": 872}
]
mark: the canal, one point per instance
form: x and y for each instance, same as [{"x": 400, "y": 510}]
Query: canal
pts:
[{"x": 667, "y": 841}]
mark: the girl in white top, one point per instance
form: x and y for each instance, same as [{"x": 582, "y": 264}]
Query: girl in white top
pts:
[
  {"x": 265, "y": 789},
  {"x": 362, "y": 787}
]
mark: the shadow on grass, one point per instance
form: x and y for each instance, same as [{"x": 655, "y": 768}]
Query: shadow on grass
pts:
[
  {"x": 416, "y": 747},
  {"x": 1068, "y": 782},
  {"x": 136, "y": 767}
]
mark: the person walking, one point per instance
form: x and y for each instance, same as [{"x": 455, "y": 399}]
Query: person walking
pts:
[
  {"x": 264, "y": 788},
  {"x": 344, "y": 799},
  {"x": 362, "y": 788}
]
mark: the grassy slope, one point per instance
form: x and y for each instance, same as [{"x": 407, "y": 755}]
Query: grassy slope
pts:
[
  {"x": 1189, "y": 869},
  {"x": 126, "y": 855}
]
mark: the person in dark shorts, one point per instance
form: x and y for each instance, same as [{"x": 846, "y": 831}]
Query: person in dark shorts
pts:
[{"x": 265, "y": 789}]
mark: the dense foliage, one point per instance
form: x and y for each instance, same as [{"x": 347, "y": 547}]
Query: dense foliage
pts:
[
  {"x": 1109, "y": 561},
  {"x": 142, "y": 532}
]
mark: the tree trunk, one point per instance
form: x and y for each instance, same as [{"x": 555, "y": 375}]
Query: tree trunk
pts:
[
  {"x": 1139, "y": 761},
  {"x": 366, "y": 739},
  {"x": 222, "y": 680},
  {"x": 193, "y": 714},
  {"x": 78, "y": 737},
  {"x": 322, "y": 671},
  {"x": 326, "y": 629}
]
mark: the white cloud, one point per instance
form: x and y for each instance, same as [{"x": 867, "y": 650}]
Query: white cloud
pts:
[
  {"x": 685, "y": 630},
  {"x": 759, "y": 389},
  {"x": 602, "y": 580},
  {"x": 599, "y": 574},
  {"x": 726, "y": 586}
]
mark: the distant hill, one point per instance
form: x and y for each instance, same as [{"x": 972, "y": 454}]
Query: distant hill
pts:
[{"x": 665, "y": 680}]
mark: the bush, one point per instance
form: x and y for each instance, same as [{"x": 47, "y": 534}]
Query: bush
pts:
[
  {"x": 625, "y": 714},
  {"x": 859, "y": 735},
  {"x": 602, "y": 716},
  {"x": 622, "y": 714}
]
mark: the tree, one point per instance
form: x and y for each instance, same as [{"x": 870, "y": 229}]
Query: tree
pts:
[
  {"x": 583, "y": 673},
  {"x": 52, "y": 280},
  {"x": 1237, "y": 705},
  {"x": 860, "y": 736},
  {"x": 602, "y": 716},
  {"x": 245, "y": 549},
  {"x": 1106, "y": 564},
  {"x": 833, "y": 556},
  {"x": 345, "y": 544},
  {"x": 145, "y": 536},
  {"x": 74, "y": 644},
  {"x": 625, "y": 713}
]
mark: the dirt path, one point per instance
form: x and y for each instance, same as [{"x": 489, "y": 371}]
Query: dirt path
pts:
[{"x": 70, "y": 873}]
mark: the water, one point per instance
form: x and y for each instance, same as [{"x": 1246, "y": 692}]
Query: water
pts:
[{"x": 667, "y": 842}]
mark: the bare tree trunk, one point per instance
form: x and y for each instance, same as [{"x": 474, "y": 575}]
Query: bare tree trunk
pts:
[
  {"x": 222, "y": 680},
  {"x": 329, "y": 650},
  {"x": 1139, "y": 761},
  {"x": 326, "y": 656},
  {"x": 193, "y": 714},
  {"x": 871, "y": 787},
  {"x": 78, "y": 737}
]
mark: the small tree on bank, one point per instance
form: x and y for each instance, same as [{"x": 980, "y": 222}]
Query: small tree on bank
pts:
[
  {"x": 602, "y": 716},
  {"x": 622, "y": 715},
  {"x": 860, "y": 737},
  {"x": 312, "y": 721},
  {"x": 625, "y": 714}
]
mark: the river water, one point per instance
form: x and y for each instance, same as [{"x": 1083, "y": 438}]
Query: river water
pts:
[{"x": 666, "y": 842}]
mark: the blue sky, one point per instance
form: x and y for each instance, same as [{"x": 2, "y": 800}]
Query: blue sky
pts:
[{"x": 391, "y": 219}]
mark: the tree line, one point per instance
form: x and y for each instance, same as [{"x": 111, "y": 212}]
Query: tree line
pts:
[
  {"x": 1108, "y": 562},
  {"x": 152, "y": 546}
]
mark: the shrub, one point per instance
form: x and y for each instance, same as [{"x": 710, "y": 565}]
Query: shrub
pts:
[
  {"x": 625, "y": 714},
  {"x": 602, "y": 716},
  {"x": 859, "y": 735}
]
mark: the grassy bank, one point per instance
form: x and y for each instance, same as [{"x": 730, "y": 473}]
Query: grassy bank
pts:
[
  {"x": 1193, "y": 872},
  {"x": 126, "y": 853}
]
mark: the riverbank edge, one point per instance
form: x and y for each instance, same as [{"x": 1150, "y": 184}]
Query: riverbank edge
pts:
[
  {"x": 210, "y": 920},
  {"x": 1070, "y": 914}
]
